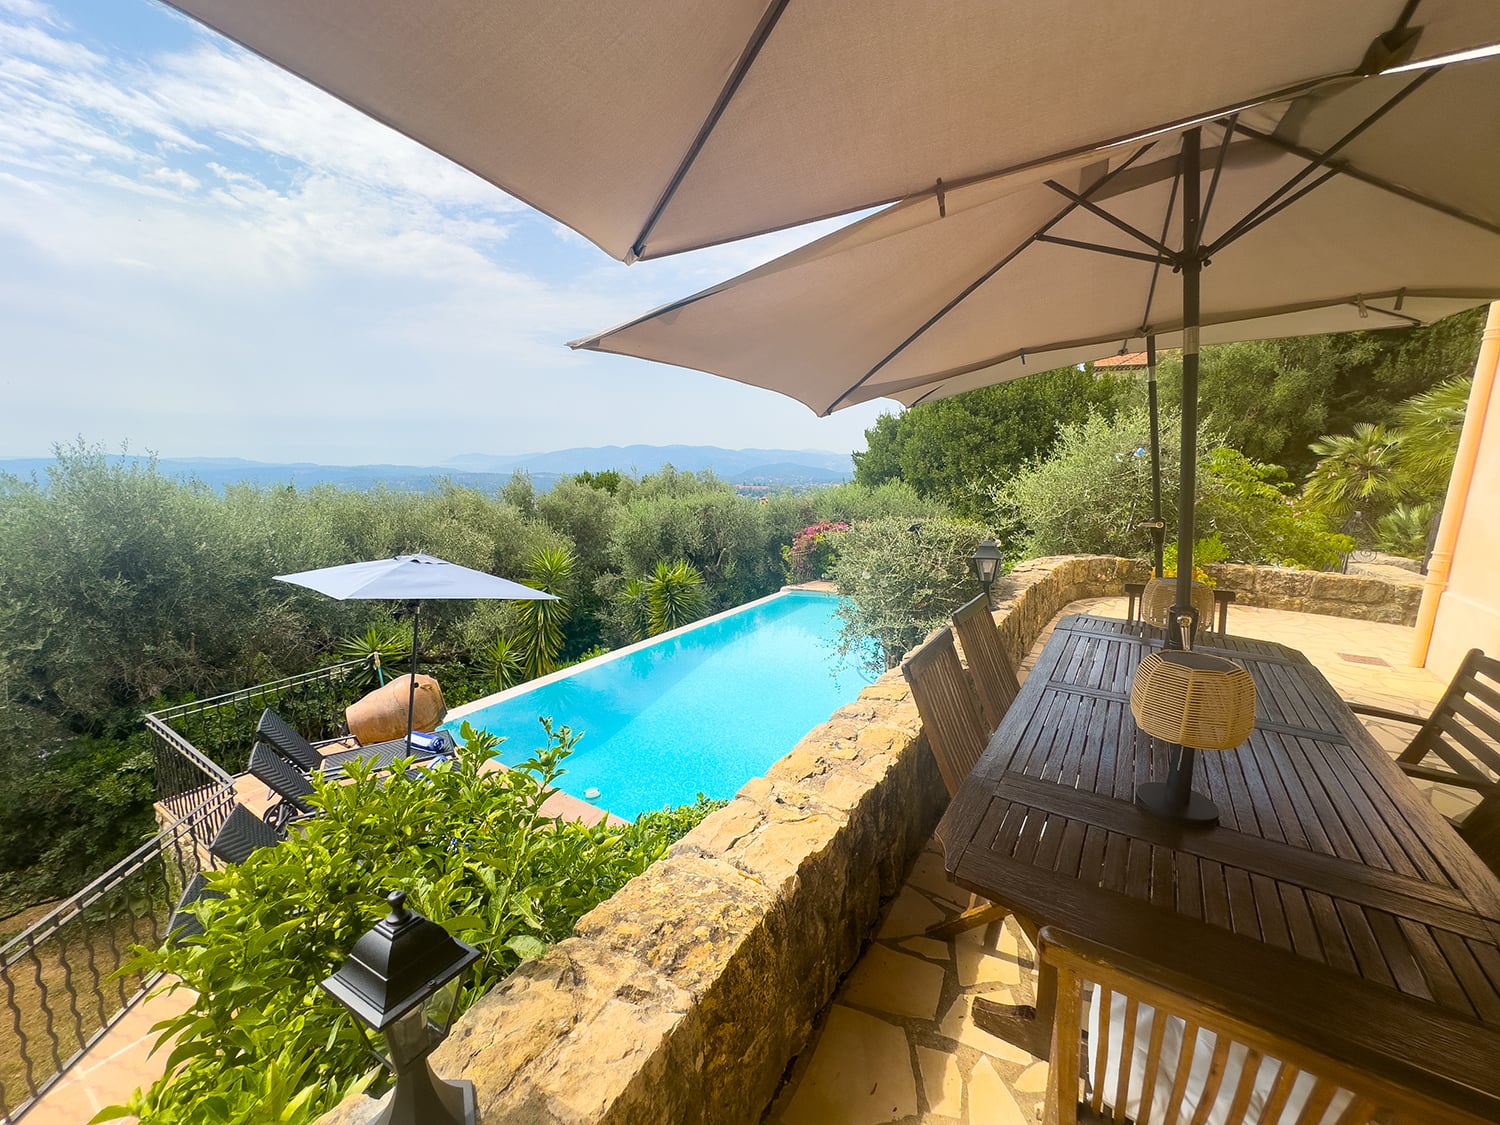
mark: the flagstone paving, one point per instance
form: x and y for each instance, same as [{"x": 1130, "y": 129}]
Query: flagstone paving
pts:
[{"x": 896, "y": 1045}]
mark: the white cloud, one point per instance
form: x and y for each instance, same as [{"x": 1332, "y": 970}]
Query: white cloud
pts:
[{"x": 202, "y": 254}]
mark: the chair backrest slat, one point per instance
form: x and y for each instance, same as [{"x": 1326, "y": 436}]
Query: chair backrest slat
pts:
[
  {"x": 1466, "y": 721},
  {"x": 945, "y": 700},
  {"x": 993, "y": 674},
  {"x": 243, "y": 833},
  {"x": 1200, "y": 1062}
]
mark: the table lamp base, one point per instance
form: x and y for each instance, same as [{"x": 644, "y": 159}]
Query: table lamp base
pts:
[{"x": 1158, "y": 798}]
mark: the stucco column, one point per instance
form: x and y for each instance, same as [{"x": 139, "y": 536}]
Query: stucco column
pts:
[{"x": 1441, "y": 562}]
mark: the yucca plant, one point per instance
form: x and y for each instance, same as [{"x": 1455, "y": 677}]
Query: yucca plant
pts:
[
  {"x": 539, "y": 634},
  {"x": 379, "y": 649},
  {"x": 504, "y": 662},
  {"x": 674, "y": 596}
]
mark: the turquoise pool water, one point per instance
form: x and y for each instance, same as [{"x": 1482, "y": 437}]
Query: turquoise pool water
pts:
[{"x": 700, "y": 710}]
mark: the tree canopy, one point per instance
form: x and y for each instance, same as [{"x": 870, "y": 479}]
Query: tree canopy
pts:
[
  {"x": 955, "y": 449},
  {"x": 1272, "y": 399}
]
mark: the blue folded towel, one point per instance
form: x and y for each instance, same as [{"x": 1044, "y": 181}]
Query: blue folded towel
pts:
[{"x": 439, "y": 742}]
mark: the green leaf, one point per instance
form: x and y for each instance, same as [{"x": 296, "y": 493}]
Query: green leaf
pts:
[{"x": 525, "y": 946}]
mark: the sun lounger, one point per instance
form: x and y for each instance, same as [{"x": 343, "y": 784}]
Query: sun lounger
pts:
[{"x": 290, "y": 785}]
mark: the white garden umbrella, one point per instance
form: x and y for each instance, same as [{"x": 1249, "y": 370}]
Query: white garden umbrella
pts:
[
  {"x": 1357, "y": 208},
  {"x": 656, "y": 126},
  {"x": 411, "y": 578}
]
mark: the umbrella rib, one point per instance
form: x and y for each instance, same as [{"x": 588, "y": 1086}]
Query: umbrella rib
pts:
[
  {"x": 1113, "y": 220},
  {"x": 768, "y": 21},
  {"x": 989, "y": 273},
  {"x": 1146, "y": 135},
  {"x": 938, "y": 379},
  {"x": 1166, "y": 225},
  {"x": 1101, "y": 248},
  {"x": 1213, "y": 183},
  {"x": 1245, "y": 227},
  {"x": 1374, "y": 181},
  {"x": 1319, "y": 160}
]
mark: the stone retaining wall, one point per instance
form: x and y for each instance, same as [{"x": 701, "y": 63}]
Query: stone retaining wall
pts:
[
  {"x": 685, "y": 996},
  {"x": 1362, "y": 597}
]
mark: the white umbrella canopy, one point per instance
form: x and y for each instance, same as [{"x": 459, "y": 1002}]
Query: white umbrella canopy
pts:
[
  {"x": 414, "y": 578},
  {"x": 657, "y": 126},
  {"x": 1355, "y": 208}
]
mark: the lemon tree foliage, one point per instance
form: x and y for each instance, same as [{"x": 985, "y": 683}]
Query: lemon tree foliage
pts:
[{"x": 474, "y": 852}]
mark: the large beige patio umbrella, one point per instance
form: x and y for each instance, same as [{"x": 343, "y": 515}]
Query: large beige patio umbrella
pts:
[
  {"x": 1357, "y": 208},
  {"x": 656, "y": 126}
]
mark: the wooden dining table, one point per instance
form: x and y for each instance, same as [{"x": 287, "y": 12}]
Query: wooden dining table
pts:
[{"x": 1332, "y": 896}]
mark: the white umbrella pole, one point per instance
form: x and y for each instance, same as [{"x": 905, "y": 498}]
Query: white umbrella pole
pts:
[
  {"x": 411, "y": 691},
  {"x": 1192, "y": 266}
]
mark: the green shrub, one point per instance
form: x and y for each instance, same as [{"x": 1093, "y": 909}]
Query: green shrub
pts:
[
  {"x": 1092, "y": 491},
  {"x": 900, "y": 580},
  {"x": 1249, "y": 507},
  {"x": 261, "y": 1042}
]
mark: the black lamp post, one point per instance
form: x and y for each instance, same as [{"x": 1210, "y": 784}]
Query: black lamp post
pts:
[
  {"x": 402, "y": 980},
  {"x": 985, "y": 563}
]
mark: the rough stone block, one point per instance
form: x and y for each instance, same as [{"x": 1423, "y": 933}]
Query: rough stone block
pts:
[{"x": 1275, "y": 584}]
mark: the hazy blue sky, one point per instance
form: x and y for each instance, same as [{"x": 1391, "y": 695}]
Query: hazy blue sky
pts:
[{"x": 201, "y": 255}]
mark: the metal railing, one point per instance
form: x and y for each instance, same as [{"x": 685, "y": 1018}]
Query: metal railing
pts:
[
  {"x": 198, "y": 747},
  {"x": 61, "y": 984},
  {"x": 61, "y": 981}
]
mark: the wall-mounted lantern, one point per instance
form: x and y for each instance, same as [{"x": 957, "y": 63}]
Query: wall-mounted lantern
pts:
[{"x": 985, "y": 563}]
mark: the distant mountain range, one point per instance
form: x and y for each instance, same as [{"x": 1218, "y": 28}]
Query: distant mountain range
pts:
[
  {"x": 730, "y": 464},
  {"x": 752, "y": 470}
]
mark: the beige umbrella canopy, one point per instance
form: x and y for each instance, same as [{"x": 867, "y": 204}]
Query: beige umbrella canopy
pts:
[
  {"x": 656, "y": 126},
  {"x": 916, "y": 303},
  {"x": 1356, "y": 208}
]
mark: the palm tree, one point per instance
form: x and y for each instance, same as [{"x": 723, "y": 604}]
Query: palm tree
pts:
[
  {"x": 540, "y": 633},
  {"x": 1429, "y": 426},
  {"x": 1355, "y": 471}
]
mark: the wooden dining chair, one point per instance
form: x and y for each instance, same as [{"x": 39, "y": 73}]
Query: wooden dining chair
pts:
[
  {"x": 1459, "y": 743},
  {"x": 995, "y": 680},
  {"x": 949, "y": 708},
  {"x": 956, "y": 736},
  {"x": 1128, "y": 1047}
]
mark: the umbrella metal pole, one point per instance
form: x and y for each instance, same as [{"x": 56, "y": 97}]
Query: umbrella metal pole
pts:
[
  {"x": 411, "y": 690},
  {"x": 1192, "y": 267}
]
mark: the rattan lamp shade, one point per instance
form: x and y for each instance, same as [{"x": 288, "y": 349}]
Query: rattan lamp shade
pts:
[
  {"x": 1193, "y": 699},
  {"x": 1161, "y": 594}
]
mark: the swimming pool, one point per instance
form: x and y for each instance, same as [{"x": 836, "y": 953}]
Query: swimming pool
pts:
[{"x": 702, "y": 709}]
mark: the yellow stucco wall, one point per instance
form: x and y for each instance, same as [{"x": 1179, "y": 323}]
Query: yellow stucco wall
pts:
[{"x": 1468, "y": 611}]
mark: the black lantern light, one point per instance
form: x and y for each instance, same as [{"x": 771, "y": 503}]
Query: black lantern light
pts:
[
  {"x": 402, "y": 980},
  {"x": 985, "y": 563}
]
